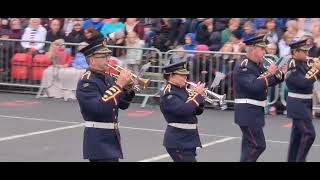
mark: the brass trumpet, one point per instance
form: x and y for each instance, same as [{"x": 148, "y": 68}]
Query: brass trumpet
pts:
[
  {"x": 138, "y": 81},
  {"x": 209, "y": 96}
]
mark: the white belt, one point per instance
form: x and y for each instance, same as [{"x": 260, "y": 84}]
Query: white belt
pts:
[
  {"x": 102, "y": 125},
  {"x": 251, "y": 101},
  {"x": 300, "y": 96},
  {"x": 183, "y": 125}
]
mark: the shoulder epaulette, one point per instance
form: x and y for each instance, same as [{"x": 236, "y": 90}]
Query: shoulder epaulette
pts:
[
  {"x": 167, "y": 89},
  {"x": 292, "y": 64},
  {"x": 244, "y": 63},
  {"x": 86, "y": 75}
]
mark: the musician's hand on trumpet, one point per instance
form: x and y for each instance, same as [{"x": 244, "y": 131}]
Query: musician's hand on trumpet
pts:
[
  {"x": 125, "y": 78},
  {"x": 199, "y": 88},
  {"x": 284, "y": 68},
  {"x": 272, "y": 68}
]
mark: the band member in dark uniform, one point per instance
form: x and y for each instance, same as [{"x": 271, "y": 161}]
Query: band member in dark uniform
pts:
[
  {"x": 100, "y": 96},
  {"x": 180, "y": 108},
  {"x": 299, "y": 79},
  {"x": 250, "y": 87}
]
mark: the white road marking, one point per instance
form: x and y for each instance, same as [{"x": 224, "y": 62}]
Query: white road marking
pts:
[
  {"x": 38, "y": 119},
  {"x": 163, "y": 156},
  {"x": 40, "y": 132},
  {"x": 135, "y": 128},
  {"x": 203, "y": 134}
]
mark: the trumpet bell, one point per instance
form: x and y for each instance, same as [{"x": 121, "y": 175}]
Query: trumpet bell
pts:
[{"x": 144, "y": 82}]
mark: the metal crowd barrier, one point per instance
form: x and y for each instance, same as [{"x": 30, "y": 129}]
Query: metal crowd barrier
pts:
[
  {"x": 204, "y": 64},
  {"x": 17, "y": 73}
]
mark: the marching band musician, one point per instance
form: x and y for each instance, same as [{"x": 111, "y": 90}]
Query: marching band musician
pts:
[
  {"x": 250, "y": 88},
  {"x": 299, "y": 79},
  {"x": 100, "y": 98},
  {"x": 180, "y": 109}
]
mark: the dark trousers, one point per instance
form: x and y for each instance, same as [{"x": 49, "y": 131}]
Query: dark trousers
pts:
[
  {"x": 182, "y": 155},
  {"x": 253, "y": 143},
  {"x": 301, "y": 140},
  {"x": 104, "y": 160}
]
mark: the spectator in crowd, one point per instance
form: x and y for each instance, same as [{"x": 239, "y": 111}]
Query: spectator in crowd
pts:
[
  {"x": 272, "y": 48},
  {"x": 96, "y": 23},
  {"x": 234, "y": 24},
  {"x": 261, "y": 32},
  {"x": 270, "y": 25},
  {"x": 106, "y": 20},
  {"x": 5, "y": 24},
  {"x": 132, "y": 24},
  {"x": 316, "y": 34},
  {"x": 161, "y": 40},
  {"x": 305, "y": 24},
  {"x": 314, "y": 50},
  {"x": 175, "y": 30},
  {"x": 195, "y": 24},
  {"x": 117, "y": 38},
  {"x": 236, "y": 41},
  {"x": 60, "y": 80},
  {"x": 34, "y": 32},
  {"x": 215, "y": 41},
  {"x": 75, "y": 36},
  {"x": 91, "y": 35},
  {"x": 281, "y": 25},
  {"x": 68, "y": 26},
  {"x": 111, "y": 27},
  {"x": 204, "y": 31},
  {"x": 79, "y": 60},
  {"x": 15, "y": 29},
  {"x": 190, "y": 42},
  {"x": 248, "y": 31},
  {"x": 258, "y": 23},
  {"x": 5, "y": 34},
  {"x": 184, "y": 29},
  {"x": 180, "y": 55},
  {"x": 284, "y": 48},
  {"x": 152, "y": 31},
  {"x": 77, "y": 33},
  {"x": 221, "y": 23},
  {"x": 134, "y": 56},
  {"x": 57, "y": 53},
  {"x": 54, "y": 32},
  {"x": 24, "y": 22},
  {"x": 293, "y": 28},
  {"x": 45, "y": 22}
]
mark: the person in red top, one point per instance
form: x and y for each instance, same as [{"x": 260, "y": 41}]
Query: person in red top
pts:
[{"x": 58, "y": 54}]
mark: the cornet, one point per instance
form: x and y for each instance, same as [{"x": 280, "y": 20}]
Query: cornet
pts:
[
  {"x": 209, "y": 96},
  {"x": 138, "y": 81}
]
